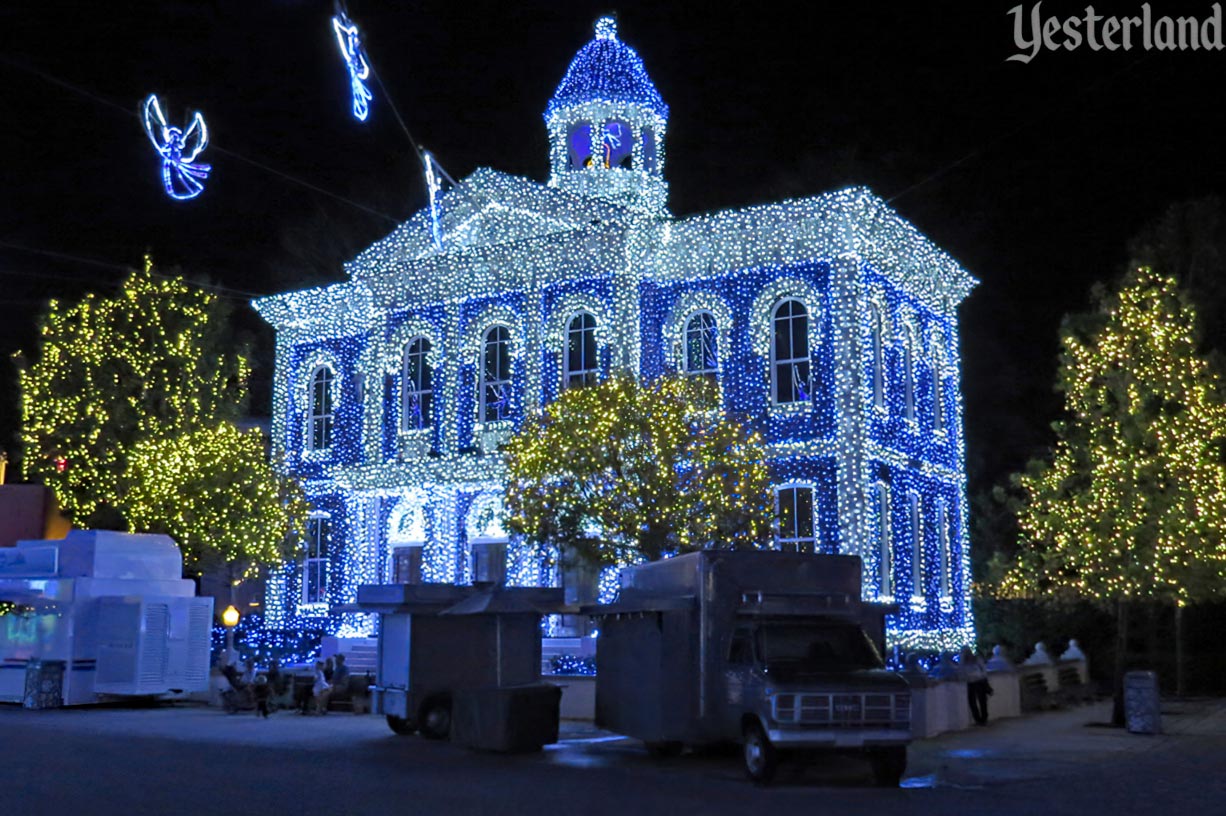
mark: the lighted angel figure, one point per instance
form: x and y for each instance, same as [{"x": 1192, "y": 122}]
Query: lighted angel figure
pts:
[
  {"x": 350, "y": 43},
  {"x": 612, "y": 139},
  {"x": 182, "y": 177}
]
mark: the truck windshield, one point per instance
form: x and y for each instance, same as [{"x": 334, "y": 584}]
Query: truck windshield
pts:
[{"x": 818, "y": 647}]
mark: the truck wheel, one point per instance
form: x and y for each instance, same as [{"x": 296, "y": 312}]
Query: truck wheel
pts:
[
  {"x": 760, "y": 757},
  {"x": 436, "y": 719},
  {"x": 401, "y": 726},
  {"x": 888, "y": 766},
  {"x": 664, "y": 750}
]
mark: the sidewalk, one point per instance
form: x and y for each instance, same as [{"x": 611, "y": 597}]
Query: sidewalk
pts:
[{"x": 1052, "y": 744}]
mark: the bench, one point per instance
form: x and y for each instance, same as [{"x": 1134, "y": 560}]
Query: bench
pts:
[
  {"x": 1035, "y": 695},
  {"x": 354, "y": 696},
  {"x": 1072, "y": 690}
]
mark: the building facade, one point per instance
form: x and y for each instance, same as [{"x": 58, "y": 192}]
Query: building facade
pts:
[{"x": 830, "y": 321}]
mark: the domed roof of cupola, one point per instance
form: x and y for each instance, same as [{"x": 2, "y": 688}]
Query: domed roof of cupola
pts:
[{"x": 607, "y": 70}]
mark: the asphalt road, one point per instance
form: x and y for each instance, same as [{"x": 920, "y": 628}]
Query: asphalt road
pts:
[{"x": 180, "y": 761}]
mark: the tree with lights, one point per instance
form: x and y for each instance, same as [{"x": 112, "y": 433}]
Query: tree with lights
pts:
[
  {"x": 1132, "y": 503},
  {"x": 213, "y": 491},
  {"x": 621, "y": 471},
  {"x": 151, "y": 362}
]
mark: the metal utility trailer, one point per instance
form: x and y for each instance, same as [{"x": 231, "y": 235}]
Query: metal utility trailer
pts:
[
  {"x": 772, "y": 650},
  {"x": 439, "y": 642}
]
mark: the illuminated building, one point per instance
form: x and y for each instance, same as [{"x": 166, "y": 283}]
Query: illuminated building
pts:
[{"x": 830, "y": 321}]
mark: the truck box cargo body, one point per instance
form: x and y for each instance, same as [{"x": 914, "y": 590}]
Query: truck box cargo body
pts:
[
  {"x": 114, "y": 608},
  {"x": 771, "y": 648},
  {"x": 439, "y": 639}
]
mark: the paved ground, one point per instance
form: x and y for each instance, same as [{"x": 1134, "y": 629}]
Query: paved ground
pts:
[{"x": 185, "y": 760}]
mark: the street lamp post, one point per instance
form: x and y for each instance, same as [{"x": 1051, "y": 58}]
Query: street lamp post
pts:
[{"x": 229, "y": 619}]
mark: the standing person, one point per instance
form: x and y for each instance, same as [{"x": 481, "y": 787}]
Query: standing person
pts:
[
  {"x": 322, "y": 688},
  {"x": 977, "y": 687},
  {"x": 261, "y": 689}
]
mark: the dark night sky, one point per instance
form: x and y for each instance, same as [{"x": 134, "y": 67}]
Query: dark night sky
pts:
[{"x": 1033, "y": 176}]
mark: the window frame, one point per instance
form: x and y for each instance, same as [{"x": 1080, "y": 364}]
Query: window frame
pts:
[
  {"x": 917, "y": 545},
  {"x": 585, "y": 375},
  {"x": 878, "y": 349},
  {"x": 800, "y": 397},
  {"x": 793, "y": 543},
  {"x": 320, "y": 423},
  {"x": 709, "y": 367},
  {"x": 908, "y": 352},
  {"x": 421, "y": 388},
  {"x": 486, "y": 385},
  {"x": 885, "y": 544},
  {"x": 939, "y": 421},
  {"x": 316, "y": 559},
  {"x": 946, "y": 555}
]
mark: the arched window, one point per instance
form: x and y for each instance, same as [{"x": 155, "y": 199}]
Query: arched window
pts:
[
  {"x": 320, "y": 411},
  {"x": 616, "y": 144},
  {"x": 701, "y": 350},
  {"x": 649, "y": 150},
  {"x": 315, "y": 559},
  {"x": 878, "y": 330},
  {"x": 885, "y": 553},
  {"x": 581, "y": 365},
  {"x": 908, "y": 363},
  {"x": 794, "y": 508},
  {"x": 790, "y": 353},
  {"x": 579, "y": 145},
  {"x": 943, "y": 533},
  {"x": 917, "y": 546},
  {"x": 496, "y": 374},
  {"x": 417, "y": 388}
]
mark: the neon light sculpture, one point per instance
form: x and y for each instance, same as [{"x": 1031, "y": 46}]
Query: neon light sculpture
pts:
[
  {"x": 433, "y": 186},
  {"x": 181, "y": 176},
  {"x": 350, "y": 43}
]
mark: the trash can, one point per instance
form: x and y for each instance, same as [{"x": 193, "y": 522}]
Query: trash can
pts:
[
  {"x": 44, "y": 684},
  {"x": 510, "y": 719},
  {"x": 1142, "y": 705}
]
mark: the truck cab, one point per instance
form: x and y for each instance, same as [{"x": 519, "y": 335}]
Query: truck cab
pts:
[
  {"x": 773, "y": 650},
  {"x": 813, "y": 683}
]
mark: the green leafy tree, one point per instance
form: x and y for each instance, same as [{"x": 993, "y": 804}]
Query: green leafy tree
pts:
[
  {"x": 214, "y": 492},
  {"x": 1132, "y": 502},
  {"x": 621, "y": 471},
  {"x": 153, "y": 361}
]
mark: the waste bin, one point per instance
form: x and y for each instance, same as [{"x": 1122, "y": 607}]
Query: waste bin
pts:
[
  {"x": 507, "y": 718},
  {"x": 1142, "y": 705},
  {"x": 44, "y": 684}
]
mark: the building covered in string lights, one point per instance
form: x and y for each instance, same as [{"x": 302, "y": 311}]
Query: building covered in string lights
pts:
[{"x": 830, "y": 321}]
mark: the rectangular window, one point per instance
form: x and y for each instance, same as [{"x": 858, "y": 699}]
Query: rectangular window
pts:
[
  {"x": 943, "y": 532},
  {"x": 795, "y": 513},
  {"x": 885, "y": 554},
  {"x": 909, "y": 373},
  {"x": 417, "y": 387},
  {"x": 315, "y": 562},
  {"x": 917, "y": 547}
]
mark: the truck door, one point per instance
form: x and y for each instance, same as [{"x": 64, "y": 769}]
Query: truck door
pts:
[{"x": 738, "y": 678}]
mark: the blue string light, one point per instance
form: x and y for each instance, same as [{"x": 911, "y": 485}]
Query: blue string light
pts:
[
  {"x": 849, "y": 402},
  {"x": 181, "y": 177}
]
